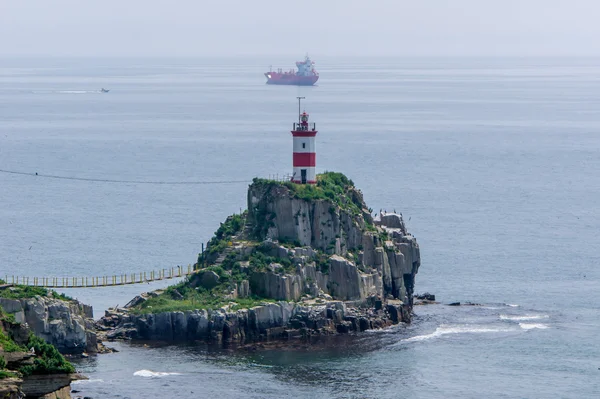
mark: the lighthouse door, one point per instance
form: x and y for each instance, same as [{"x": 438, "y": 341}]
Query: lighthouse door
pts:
[{"x": 303, "y": 175}]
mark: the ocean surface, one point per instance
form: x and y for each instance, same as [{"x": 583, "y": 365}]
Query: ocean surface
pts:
[{"x": 494, "y": 163}]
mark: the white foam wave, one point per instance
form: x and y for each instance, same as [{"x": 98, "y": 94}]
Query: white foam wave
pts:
[
  {"x": 150, "y": 373},
  {"x": 512, "y": 306},
  {"x": 86, "y": 381},
  {"x": 75, "y": 91},
  {"x": 524, "y": 318},
  {"x": 459, "y": 329},
  {"x": 531, "y": 326}
]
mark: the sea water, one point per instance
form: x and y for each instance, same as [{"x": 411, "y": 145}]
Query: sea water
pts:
[{"x": 494, "y": 163}]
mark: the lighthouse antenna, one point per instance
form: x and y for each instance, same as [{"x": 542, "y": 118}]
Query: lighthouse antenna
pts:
[{"x": 299, "y": 99}]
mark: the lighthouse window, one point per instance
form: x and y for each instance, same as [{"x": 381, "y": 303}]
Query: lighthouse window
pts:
[{"x": 303, "y": 145}]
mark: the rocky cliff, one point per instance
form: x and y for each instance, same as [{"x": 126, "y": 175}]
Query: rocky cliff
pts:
[
  {"x": 365, "y": 256},
  {"x": 66, "y": 324},
  {"x": 29, "y": 366},
  {"x": 302, "y": 260}
]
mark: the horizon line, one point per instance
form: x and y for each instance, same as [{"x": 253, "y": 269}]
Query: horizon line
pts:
[{"x": 296, "y": 55}]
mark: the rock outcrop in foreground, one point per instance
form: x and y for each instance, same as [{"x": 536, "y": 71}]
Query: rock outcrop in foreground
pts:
[
  {"x": 66, "y": 324},
  {"x": 29, "y": 366},
  {"x": 302, "y": 260}
]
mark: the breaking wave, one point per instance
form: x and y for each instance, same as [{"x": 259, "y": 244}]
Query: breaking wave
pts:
[
  {"x": 76, "y": 91},
  {"x": 86, "y": 381},
  {"x": 149, "y": 373},
  {"x": 531, "y": 326},
  {"x": 524, "y": 318},
  {"x": 457, "y": 329}
]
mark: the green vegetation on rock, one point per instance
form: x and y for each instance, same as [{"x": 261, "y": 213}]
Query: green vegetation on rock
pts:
[
  {"x": 331, "y": 186},
  {"x": 8, "y": 345},
  {"x": 5, "y": 373},
  {"x": 233, "y": 225},
  {"x": 48, "y": 360},
  {"x": 26, "y": 291},
  {"x": 183, "y": 296}
]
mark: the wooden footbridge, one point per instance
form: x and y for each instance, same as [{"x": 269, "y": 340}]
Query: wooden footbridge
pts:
[{"x": 103, "y": 281}]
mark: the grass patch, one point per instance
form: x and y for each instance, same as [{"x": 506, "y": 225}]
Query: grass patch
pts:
[
  {"x": 26, "y": 291},
  {"x": 194, "y": 299},
  {"x": 261, "y": 262},
  {"x": 9, "y": 317},
  {"x": 7, "y": 374},
  {"x": 331, "y": 186}
]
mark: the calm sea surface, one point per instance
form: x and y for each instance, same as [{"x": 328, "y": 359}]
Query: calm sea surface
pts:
[{"x": 495, "y": 163}]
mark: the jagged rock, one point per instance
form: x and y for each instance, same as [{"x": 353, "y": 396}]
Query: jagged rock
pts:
[
  {"x": 311, "y": 223},
  {"x": 10, "y": 388},
  {"x": 15, "y": 307},
  {"x": 206, "y": 278},
  {"x": 243, "y": 289},
  {"x": 137, "y": 300},
  {"x": 392, "y": 220},
  {"x": 64, "y": 324},
  {"x": 340, "y": 256},
  {"x": 426, "y": 296},
  {"x": 271, "y": 285},
  {"x": 265, "y": 322}
]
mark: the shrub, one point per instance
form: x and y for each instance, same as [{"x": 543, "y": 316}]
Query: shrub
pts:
[{"x": 49, "y": 360}]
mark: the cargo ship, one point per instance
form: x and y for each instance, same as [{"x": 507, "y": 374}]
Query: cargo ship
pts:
[{"x": 305, "y": 76}]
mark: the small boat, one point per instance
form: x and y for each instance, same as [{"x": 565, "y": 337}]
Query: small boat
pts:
[{"x": 103, "y": 90}]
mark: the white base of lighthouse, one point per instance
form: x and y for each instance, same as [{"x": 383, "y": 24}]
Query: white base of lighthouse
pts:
[{"x": 304, "y": 175}]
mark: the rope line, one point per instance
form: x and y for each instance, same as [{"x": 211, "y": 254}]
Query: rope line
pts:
[{"x": 121, "y": 181}]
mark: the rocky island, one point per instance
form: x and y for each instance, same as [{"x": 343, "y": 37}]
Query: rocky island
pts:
[{"x": 303, "y": 260}]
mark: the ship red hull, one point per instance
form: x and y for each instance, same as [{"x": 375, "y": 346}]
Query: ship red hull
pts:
[{"x": 276, "y": 78}]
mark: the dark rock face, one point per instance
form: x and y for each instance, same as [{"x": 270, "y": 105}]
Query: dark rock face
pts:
[
  {"x": 266, "y": 322},
  {"x": 426, "y": 296}
]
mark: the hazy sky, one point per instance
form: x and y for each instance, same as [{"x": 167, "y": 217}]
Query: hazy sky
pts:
[{"x": 292, "y": 27}]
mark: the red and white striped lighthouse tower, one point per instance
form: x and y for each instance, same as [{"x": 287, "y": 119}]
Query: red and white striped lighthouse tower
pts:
[{"x": 305, "y": 155}]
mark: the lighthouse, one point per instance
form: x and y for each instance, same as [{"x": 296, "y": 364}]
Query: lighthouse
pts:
[{"x": 305, "y": 155}]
